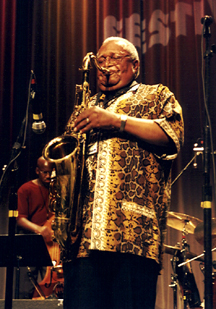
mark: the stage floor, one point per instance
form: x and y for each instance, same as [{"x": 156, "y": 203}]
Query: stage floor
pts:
[{"x": 34, "y": 304}]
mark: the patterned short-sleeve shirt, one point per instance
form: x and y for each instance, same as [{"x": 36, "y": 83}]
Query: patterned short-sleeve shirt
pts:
[{"x": 129, "y": 181}]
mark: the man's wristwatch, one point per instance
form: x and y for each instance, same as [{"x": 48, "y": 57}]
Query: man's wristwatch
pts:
[{"x": 123, "y": 122}]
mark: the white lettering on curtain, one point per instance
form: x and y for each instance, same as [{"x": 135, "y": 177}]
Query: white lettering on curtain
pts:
[{"x": 159, "y": 28}]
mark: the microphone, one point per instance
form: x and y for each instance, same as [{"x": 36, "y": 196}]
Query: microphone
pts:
[
  {"x": 207, "y": 20},
  {"x": 38, "y": 126}
]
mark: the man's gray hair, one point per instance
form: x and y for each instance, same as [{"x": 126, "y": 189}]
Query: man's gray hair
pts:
[{"x": 126, "y": 45}]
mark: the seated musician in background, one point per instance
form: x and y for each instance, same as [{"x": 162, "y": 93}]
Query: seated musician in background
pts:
[
  {"x": 136, "y": 131},
  {"x": 33, "y": 213}
]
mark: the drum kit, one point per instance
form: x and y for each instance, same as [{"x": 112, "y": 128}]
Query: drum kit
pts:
[{"x": 182, "y": 276}]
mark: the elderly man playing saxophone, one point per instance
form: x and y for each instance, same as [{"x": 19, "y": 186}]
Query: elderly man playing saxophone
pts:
[{"x": 135, "y": 131}]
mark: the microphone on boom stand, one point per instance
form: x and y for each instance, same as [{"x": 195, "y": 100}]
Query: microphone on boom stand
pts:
[{"x": 38, "y": 126}]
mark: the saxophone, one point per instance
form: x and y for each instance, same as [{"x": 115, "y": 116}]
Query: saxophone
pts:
[{"x": 68, "y": 153}]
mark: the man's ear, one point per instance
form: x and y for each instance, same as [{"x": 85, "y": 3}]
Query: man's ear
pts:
[
  {"x": 135, "y": 67},
  {"x": 37, "y": 171}
]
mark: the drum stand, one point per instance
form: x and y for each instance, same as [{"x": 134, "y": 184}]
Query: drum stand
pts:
[
  {"x": 185, "y": 247},
  {"x": 174, "y": 276}
]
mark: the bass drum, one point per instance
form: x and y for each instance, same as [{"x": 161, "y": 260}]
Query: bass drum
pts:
[{"x": 186, "y": 281}]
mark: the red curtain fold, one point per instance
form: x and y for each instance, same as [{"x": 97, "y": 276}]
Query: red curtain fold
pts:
[{"x": 7, "y": 61}]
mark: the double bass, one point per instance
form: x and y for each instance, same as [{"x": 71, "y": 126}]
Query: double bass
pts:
[{"x": 52, "y": 285}]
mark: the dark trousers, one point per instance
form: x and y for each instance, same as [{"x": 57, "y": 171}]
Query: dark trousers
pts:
[{"x": 110, "y": 280}]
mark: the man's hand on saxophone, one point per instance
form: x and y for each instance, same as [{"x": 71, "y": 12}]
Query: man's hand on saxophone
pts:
[
  {"x": 145, "y": 129},
  {"x": 96, "y": 117}
]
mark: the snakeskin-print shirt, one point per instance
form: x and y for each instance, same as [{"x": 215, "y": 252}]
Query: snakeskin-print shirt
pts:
[{"x": 129, "y": 181}]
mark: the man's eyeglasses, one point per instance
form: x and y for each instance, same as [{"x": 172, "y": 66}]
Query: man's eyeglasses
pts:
[
  {"x": 113, "y": 60},
  {"x": 46, "y": 172}
]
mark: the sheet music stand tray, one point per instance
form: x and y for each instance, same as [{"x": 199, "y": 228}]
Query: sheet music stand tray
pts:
[{"x": 29, "y": 250}]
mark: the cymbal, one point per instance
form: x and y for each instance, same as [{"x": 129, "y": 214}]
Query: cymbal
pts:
[
  {"x": 199, "y": 232},
  {"x": 170, "y": 249},
  {"x": 189, "y": 255},
  {"x": 181, "y": 221}
]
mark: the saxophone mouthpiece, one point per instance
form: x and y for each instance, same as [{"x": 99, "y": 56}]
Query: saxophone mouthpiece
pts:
[{"x": 106, "y": 71}]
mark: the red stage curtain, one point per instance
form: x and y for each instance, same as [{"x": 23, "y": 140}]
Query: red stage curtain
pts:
[{"x": 52, "y": 37}]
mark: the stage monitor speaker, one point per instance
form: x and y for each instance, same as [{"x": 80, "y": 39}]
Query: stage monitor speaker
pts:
[{"x": 34, "y": 304}]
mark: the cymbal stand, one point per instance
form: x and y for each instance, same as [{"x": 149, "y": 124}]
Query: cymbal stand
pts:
[
  {"x": 174, "y": 277},
  {"x": 185, "y": 247}
]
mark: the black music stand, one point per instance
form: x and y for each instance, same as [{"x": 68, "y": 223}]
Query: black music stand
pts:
[{"x": 29, "y": 250}]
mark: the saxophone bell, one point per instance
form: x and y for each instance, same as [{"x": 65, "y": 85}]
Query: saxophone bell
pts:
[{"x": 60, "y": 148}]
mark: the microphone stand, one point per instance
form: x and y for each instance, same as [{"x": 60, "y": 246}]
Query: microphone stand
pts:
[
  {"x": 12, "y": 214},
  {"x": 12, "y": 168},
  {"x": 207, "y": 189}
]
